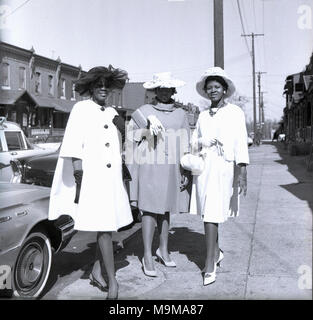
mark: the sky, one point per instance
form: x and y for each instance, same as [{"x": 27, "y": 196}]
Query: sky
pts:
[{"x": 150, "y": 36}]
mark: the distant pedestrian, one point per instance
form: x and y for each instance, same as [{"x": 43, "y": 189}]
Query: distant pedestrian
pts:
[
  {"x": 275, "y": 135},
  {"x": 88, "y": 182},
  {"x": 221, "y": 138},
  {"x": 160, "y": 133}
]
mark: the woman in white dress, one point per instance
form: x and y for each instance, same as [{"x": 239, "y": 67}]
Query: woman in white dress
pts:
[
  {"x": 221, "y": 138},
  {"x": 88, "y": 183}
]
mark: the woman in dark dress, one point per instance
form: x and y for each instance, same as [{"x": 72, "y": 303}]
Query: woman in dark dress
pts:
[{"x": 160, "y": 136}]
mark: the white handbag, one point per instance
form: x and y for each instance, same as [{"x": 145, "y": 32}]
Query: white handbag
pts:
[{"x": 193, "y": 163}]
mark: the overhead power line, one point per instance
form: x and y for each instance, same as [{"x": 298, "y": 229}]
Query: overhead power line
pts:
[
  {"x": 19, "y": 7},
  {"x": 253, "y": 35},
  {"x": 242, "y": 26}
]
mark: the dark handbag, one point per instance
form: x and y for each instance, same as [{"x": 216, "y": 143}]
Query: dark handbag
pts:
[{"x": 119, "y": 122}]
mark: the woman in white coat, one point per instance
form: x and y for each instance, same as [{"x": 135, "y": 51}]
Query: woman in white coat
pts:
[
  {"x": 221, "y": 138},
  {"x": 88, "y": 183}
]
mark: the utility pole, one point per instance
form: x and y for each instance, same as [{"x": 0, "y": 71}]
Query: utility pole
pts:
[
  {"x": 252, "y": 35},
  {"x": 218, "y": 34},
  {"x": 260, "y": 107}
]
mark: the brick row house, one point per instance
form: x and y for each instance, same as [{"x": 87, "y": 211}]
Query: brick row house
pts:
[
  {"x": 298, "y": 113},
  {"x": 35, "y": 91}
]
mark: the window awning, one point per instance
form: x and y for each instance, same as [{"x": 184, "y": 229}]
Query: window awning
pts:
[
  {"x": 54, "y": 103},
  {"x": 11, "y": 97}
]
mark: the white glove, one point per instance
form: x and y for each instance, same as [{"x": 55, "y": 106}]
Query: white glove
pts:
[
  {"x": 212, "y": 142},
  {"x": 207, "y": 142},
  {"x": 155, "y": 126}
]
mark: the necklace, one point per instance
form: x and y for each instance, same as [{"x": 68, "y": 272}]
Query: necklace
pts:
[{"x": 212, "y": 113}]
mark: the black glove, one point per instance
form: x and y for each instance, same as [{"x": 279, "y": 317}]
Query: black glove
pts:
[
  {"x": 78, "y": 175},
  {"x": 119, "y": 122}
]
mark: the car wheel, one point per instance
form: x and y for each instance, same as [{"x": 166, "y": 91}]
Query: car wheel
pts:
[{"x": 32, "y": 266}]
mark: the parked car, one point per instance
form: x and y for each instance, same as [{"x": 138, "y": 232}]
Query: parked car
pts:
[
  {"x": 14, "y": 145},
  {"x": 28, "y": 239},
  {"x": 37, "y": 170}
]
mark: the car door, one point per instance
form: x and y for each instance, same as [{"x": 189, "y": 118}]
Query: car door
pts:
[
  {"x": 13, "y": 146},
  {"x": 5, "y": 158}
]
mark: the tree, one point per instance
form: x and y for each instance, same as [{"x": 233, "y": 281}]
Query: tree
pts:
[{"x": 239, "y": 100}]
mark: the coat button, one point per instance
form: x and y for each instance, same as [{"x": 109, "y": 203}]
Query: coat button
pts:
[
  {"x": 107, "y": 144},
  {"x": 106, "y": 126},
  {"x": 109, "y": 165}
]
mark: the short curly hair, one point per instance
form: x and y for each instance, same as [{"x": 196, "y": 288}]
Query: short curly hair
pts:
[{"x": 215, "y": 78}]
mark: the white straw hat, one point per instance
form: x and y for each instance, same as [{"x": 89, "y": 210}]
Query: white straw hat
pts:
[
  {"x": 215, "y": 72},
  {"x": 163, "y": 80}
]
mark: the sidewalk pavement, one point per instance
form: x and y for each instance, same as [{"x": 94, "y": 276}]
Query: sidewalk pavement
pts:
[{"x": 267, "y": 249}]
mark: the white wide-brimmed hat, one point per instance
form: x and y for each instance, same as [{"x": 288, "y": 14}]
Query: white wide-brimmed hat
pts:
[
  {"x": 163, "y": 80},
  {"x": 215, "y": 72}
]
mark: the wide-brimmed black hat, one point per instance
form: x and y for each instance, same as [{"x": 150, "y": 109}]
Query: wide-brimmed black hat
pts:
[{"x": 116, "y": 78}]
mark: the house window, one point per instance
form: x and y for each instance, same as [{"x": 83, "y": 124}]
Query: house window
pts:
[
  {"x": 50, "y": 85},
  {"x": 5, "y": 75},
  {"x": 22, "y": 78},
  {"x": 63, "y": 88},
  {"x": 37, "y": 82},
  {"x": 73, "y": 95}
]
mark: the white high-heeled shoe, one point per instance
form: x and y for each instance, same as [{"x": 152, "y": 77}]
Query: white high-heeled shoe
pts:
[
  {"x": 149, "y": 273},
  {"x": 209, "y": 277},
  {"x": 170, "y": 264}
]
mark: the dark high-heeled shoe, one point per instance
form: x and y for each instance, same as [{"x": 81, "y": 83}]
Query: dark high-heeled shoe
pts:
[{"x": 96, "y": 283}]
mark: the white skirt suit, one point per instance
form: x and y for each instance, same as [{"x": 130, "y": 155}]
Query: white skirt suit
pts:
[
  {"x": 103, "y": 205},
  {"x": 215, "y": 191}
]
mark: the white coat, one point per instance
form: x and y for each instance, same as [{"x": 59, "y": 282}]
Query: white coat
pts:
[
  {"x": 103, "y": 205},
  {"x": 215, "y": 191}
]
